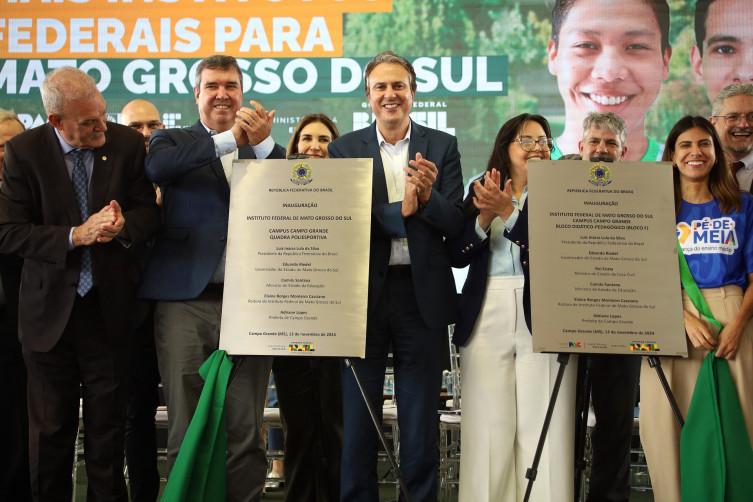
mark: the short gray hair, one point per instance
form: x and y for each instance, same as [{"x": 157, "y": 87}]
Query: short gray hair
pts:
[
  {"x": 6, "y": 115},
  {"x": 65, "y": 84},
  {"x": 730, "y": 91},
  {"x": 606, "y": 120},
  {"x": 389, "y": 57}
]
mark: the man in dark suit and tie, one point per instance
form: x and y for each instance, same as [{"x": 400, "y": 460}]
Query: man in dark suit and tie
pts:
[
  {"x": 417, "y": 190},
  {"x": 732, "y": 116},
  {"x": 74, "y": 201},
  {"x": 186, "y": 270}
]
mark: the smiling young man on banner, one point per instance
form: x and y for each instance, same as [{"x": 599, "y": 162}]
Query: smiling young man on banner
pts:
[{"x": 609, "y": 56}]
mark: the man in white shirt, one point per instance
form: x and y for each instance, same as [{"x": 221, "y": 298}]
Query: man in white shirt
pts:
[{"x": 417, "y": 190}]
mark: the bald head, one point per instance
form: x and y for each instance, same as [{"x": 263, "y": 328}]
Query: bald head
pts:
[{"x": 141, "y": 116}]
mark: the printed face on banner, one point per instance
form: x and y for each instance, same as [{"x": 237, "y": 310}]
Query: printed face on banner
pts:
[
  {"x": 83, "y": 122},
  {"x": 219, "y": 97},
  {"x": 390, "y": 96},
  {"x": 728, "y": 48},
  {"x": 609, "y": 58}
]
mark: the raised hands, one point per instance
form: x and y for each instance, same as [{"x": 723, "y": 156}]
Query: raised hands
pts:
[
  {"x": 491, "y": 199},
  {"x": 252, "y": 125},
  {"x": 422, "y": 174}
]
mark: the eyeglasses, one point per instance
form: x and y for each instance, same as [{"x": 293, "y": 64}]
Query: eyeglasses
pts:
[
  {"x": 527, "y": 143},
  {"x": 137, "y": 126},
  {"x": 734, "y": 119}
]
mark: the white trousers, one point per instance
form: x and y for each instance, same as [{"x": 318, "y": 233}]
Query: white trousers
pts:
[{"x": 505, "y": 395}]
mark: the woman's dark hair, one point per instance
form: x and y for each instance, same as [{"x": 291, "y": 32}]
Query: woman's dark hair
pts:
[
  {"x": 721, "y": 184},
  {"x": 500, "y": 157},
  {"x": 310, "y": 119}
]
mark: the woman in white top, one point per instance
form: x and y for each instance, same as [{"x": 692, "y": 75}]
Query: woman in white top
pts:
[{"x": 506, "y": 387}]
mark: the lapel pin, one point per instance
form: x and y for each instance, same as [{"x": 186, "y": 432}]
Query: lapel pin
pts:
[{"x": 104, "y": 157}]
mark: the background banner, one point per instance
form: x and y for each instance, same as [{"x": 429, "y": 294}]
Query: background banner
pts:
[{"x": 479, "y": 62}]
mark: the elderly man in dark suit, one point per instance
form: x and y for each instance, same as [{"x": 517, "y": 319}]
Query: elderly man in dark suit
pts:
[
  {"x": 186, "y": 270},
  {"x": 73, "y": 202},
  {"x": 417, "y": 190}
]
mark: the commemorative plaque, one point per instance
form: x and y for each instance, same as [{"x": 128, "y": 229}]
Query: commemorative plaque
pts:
[
  {"x": 296, "y": 276},
  {"x": 603, "y": 258}
]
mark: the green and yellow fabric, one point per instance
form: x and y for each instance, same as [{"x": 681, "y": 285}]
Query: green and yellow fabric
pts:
[
  {"x": 199, "y": 470},
  {"x": 716, "y": 458}
]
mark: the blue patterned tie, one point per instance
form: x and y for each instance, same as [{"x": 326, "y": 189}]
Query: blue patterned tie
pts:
[{"x": 81, "y": 189}]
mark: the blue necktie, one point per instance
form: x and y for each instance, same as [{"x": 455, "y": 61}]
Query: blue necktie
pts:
[{"x": 81, "y": 189}]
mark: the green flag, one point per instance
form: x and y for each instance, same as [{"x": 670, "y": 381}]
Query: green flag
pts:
[
  {"x": 716, "y": 458},
  {"x": 199, "y": 470}
]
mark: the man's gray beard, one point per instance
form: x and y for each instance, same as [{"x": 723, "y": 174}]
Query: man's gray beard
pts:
[{"x": 743, "y": 149}]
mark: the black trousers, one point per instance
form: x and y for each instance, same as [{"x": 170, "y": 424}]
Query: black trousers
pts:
[
  {"x": 614, "y": 390},
  {"x": 143, "y": 399},
  {"x": 309, "y": 392},
  {"x": 14, "y": 419},
  {"x": 87, "y": 363}
]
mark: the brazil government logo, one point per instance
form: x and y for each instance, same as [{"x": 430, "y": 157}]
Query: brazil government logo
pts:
[
  {"x": 599, "y": 175},
  {"x": 301, "y": 173},
  {"x": 644, "y": 347},
  {"x": 300, "y": 347}
]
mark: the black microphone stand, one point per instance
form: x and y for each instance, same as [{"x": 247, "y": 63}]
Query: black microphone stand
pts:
[
  {"x": 531, "y": 473},
  {"x": 378, "y": 426}
]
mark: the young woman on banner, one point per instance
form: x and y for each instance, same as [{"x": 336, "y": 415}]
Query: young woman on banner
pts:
[
  {"x": 715, "y": 231},
  {"x": 506, "y": 387},
  {"x": 309, "y": 389}
]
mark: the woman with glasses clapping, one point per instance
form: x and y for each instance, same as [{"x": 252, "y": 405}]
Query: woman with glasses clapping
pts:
[{"x": 506, "y": 387}]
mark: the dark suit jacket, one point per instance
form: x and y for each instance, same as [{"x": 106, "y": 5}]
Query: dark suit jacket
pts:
[
  {"x": 195, "y": 206},
  {"x": 469, "y": 249},
  {"x": 425, "y": 230},
  {"x": 37, "y": 210},
  {"x": 10, "y": 350}
]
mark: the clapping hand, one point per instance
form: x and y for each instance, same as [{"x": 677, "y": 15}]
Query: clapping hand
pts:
[
  {"x": 491, "y": 200},
  {"x": 252, "y": 125}
]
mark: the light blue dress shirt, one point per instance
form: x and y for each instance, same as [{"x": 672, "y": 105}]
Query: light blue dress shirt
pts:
[{"x": 504, "y": 258}]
